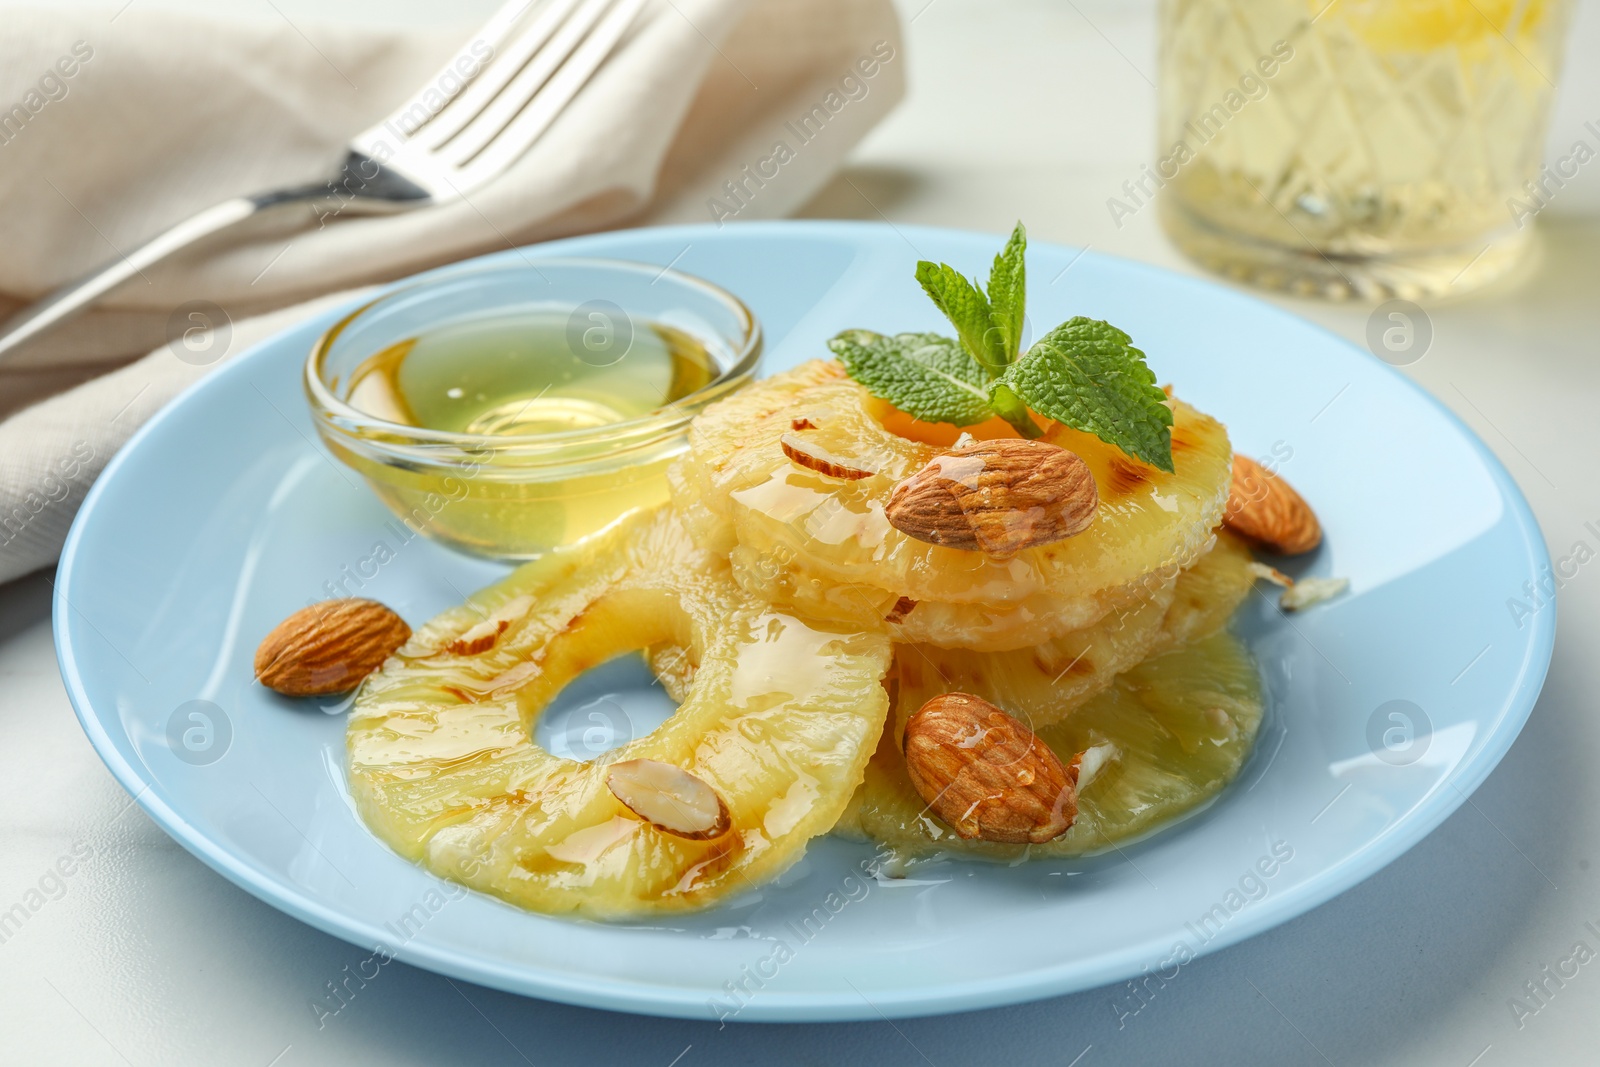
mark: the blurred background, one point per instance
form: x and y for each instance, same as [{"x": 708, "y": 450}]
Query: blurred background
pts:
[{"x": 1078, "y": 77}]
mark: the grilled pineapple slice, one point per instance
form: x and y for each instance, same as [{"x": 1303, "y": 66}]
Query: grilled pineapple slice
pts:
[
  {"x": 821, "y": 545},
  {"x": 1042, "y": 684},
  {"x": 1208, "y": 593},
  {"x": 780, "y": 719},
  {"x": 1179, "y": 727},
  {"x": 988, "y": 627}
]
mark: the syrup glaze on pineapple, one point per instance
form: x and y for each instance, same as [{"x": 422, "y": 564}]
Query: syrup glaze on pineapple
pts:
[
  {"x": 825, "y": 547},
  {"x": 1043, "y": 684},
  {"x": 1181, "y": 724},
  {"x": 780, "y": 719}
]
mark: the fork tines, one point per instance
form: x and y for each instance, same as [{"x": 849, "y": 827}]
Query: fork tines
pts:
[{"x": 502, "y": 90}]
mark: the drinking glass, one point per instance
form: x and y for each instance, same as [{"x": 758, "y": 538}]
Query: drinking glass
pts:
[{"x": 1374, "y": 148}]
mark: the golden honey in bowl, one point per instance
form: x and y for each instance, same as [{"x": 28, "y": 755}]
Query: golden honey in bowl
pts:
[
  {"x": 531, "y": 372},
  {"x": 511, "y": 408},
  {"x": 538, "y": 380}
]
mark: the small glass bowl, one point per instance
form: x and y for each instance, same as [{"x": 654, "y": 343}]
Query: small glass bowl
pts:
[{"x": 514, "y": 497}]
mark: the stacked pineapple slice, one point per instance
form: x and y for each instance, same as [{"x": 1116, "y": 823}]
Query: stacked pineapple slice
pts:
[
  {"x": 1110, "y": 641},
  {"x": 1172, "y": 732},
  {"x": 821, "y": 544}
]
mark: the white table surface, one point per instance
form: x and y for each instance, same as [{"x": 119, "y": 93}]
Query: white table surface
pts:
[{"x": 147, "y": 957}]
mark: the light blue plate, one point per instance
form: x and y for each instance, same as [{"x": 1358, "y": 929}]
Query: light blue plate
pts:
[{"x": 1388, "y": 705}]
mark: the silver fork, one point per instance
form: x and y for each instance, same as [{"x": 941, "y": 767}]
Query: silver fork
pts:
[{"x": 463, "y": 128}]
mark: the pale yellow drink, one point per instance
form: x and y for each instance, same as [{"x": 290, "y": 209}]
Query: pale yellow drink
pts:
[{"x": 1372, "y": 147}]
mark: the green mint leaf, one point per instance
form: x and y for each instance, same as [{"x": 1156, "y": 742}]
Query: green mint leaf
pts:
[
  {"x": 928, "y": 377},
  {"x": 1009, "y": 406},
  {"x": 1087, "y": 374},
  {"x": 964, "y": 304},
  {"x": 1008, "y": 292}
]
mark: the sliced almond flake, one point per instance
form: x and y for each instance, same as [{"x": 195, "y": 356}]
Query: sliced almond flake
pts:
[
  {"x": 1271, "y": 574},
  {"x": 669, "y": 798},
  {"x": 1309, "y": 592},
  {"x": 814, "y": 457},
  {"x": 1091, "y": 761},
  {"x": 902, "y": 608},
  {"x": 481, "y": 636}
]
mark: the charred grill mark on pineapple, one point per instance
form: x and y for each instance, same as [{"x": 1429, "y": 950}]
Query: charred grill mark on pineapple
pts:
[
  {"x": 720, "y": 857},
  {"x": 443, "y": 765},
  {"x": 1126, "y": 475}
]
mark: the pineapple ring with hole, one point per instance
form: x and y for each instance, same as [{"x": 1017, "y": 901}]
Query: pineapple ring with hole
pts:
[
  {"x": 780, "y": 720},
  {"x": 823, "y": 547},
  {"x": 1043, "y": 684}
]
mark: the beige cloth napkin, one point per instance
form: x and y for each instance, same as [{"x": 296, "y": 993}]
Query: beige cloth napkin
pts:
[{"x": 116, "y": 125}]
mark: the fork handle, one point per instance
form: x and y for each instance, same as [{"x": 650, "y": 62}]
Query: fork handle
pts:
[
  {"x": 77, "y": 295},
  {"x": 73, "y": 297}
]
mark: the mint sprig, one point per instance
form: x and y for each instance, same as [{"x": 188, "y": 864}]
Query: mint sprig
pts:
[
  {"x": 1087, "y": 374},
  {"x": 1084, "y": 373}
]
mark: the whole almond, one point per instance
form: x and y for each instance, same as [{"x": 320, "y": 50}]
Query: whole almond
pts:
[
  {"x": 1264, "y": 508},
  {"x": 986, "y": 774},
  {"x": 329, "y": 647},
  {"x": 999, "y": 496},
  {"x": 669, "y": 798}
]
